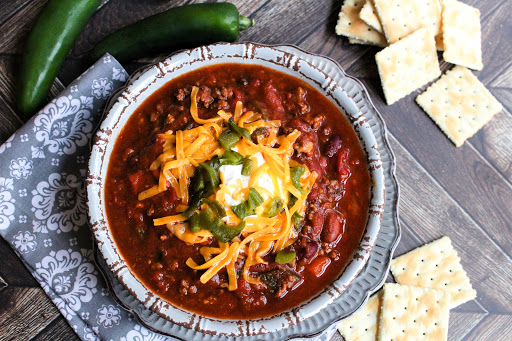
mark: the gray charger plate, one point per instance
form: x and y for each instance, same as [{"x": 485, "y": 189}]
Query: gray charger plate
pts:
[{"x": 371, "y": 277}]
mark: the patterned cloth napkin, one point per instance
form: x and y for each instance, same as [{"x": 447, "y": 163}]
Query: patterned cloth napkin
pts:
[{"x": 43, "y": 209}]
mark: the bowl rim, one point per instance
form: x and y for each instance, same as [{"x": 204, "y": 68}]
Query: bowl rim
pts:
[{"x": 100, "y": 142}]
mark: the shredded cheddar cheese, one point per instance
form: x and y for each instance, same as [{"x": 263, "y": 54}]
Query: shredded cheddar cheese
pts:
[{"x": 183, "y": 150}]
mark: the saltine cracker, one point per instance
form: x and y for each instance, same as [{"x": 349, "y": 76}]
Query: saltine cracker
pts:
[
  {"x": 459, "y": 104},
  {"x": 437, "y": 266},
  {"x": 369, "y": 15},
  {"x": 408, "y": 64},
  {"x": 363, "y": 326},
  {"x": 399, "y": 18},
  {"x": 462, "y": 35},
  {"x": 351, "y": 26},
  {"x": 413, "y": 313}
]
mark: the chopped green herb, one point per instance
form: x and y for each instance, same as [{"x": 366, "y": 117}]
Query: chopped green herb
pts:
[
  {"x": 285, "y": 257},
  {"x": 228, "y": 139},
  {"x": 247, "y": 166},
  {"x": 275, "y": 207}
]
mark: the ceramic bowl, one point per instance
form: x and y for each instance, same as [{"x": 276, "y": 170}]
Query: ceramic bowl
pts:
[{"x": 321, "y": 73}]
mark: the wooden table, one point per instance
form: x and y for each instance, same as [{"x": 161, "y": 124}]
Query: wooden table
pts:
[{"x": 465, "y": 193}]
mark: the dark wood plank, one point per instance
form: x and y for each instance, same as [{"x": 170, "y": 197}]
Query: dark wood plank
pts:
[
  {"x": 465, "y": 174},
  {"x": 27, "y": 311},
  {"x": 428, "y": 212},
  {"x": 59, "y": 329},
  {"x": 461, "y": 323},
  {"x": 493, "y": 327},
  {"x": 10, "y": 121},
  {"x": 13, "y": 271},
  {"x": 13, "y": 31},
  {"x": 10, "y": 7}
]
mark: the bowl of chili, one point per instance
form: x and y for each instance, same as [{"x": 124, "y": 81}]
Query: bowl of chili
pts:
[{"x": 238, "y": 189}]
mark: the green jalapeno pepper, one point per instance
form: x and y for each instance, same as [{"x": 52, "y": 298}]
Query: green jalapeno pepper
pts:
[
  {"x": 47, "y": 45},
  {"x": 179, "y": 27}
]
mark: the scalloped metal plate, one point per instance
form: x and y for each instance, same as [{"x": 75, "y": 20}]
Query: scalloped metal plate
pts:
[{"x": 378, "y": 251}]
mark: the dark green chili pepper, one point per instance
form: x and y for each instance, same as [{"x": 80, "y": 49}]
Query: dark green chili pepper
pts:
[
  {"x": 179, "y": 27},
  {"x": 216, "y": 207},
  {"x": 247, "y": 207},
  {"x": 242, "y": 132},
  {"x": 240, "y": 210},
  {"x": 225, "y": 233},
  {"x": 228, "y": 139},
  {"x": 211, "y": 175},
  {"x": 254, "y": 199},
  {"x": 291, "y": 200},
  {"x": 231, "y": 158},
  {"x": 275, "y": 207},
  {"x": 215, "y": 162},
  {"x": 295, "y": 174},
  {"x": 247, "y": 166},
  {"x": 195, "y": 202},
  {"x": 285, "y": 257},
  {"x": 197, "y": 182},
  {"x": 297, "y": 221},
  {"x": 210, "y": 222},
  {"x": 47, "y": 45},
  {"x": 194, "y": 223}
]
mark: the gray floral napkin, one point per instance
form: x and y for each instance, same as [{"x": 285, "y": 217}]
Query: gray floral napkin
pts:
[{"x": 43, "y": 210}]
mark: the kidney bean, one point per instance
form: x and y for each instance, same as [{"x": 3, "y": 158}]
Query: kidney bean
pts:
[
  {"x": 311, "y": 250},
  {"x": 333, "y": 226},
  {"x": 316, "y": 224},
  {"x": 343, "y": 166},
  {"x": 333, "y": 146}
]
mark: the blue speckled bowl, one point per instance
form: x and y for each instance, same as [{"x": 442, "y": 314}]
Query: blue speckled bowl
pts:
[{"x": 370, "y": 262}]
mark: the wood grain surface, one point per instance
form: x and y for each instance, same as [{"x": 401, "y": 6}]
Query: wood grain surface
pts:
[{"x": 465, "y": 193}]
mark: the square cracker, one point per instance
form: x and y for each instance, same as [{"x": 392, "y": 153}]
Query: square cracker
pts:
[
  {"x": 459, "y": 104},
  {"x": 363, "y": 326},
  {"x": 399, "y": 18},
  {"x": 412, "y": 313},
  {"x": 437, "y": 266},
  {"x": 360, "y": 42},
  {"x": 369, "y": 15},
  {"x": 408, "y": 64},
  {"x": 461, "y": 35},
  {"x": 351, "y": 26}
]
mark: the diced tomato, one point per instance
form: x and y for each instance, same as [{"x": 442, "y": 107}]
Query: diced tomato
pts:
[
  {"x": 137, "y": 181},
  {"x": 238, "y": 96},
  {"x": 273, "y": 101},
  {"x": 342, "y": 165},
  {"x": 318, "y": 265}
]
